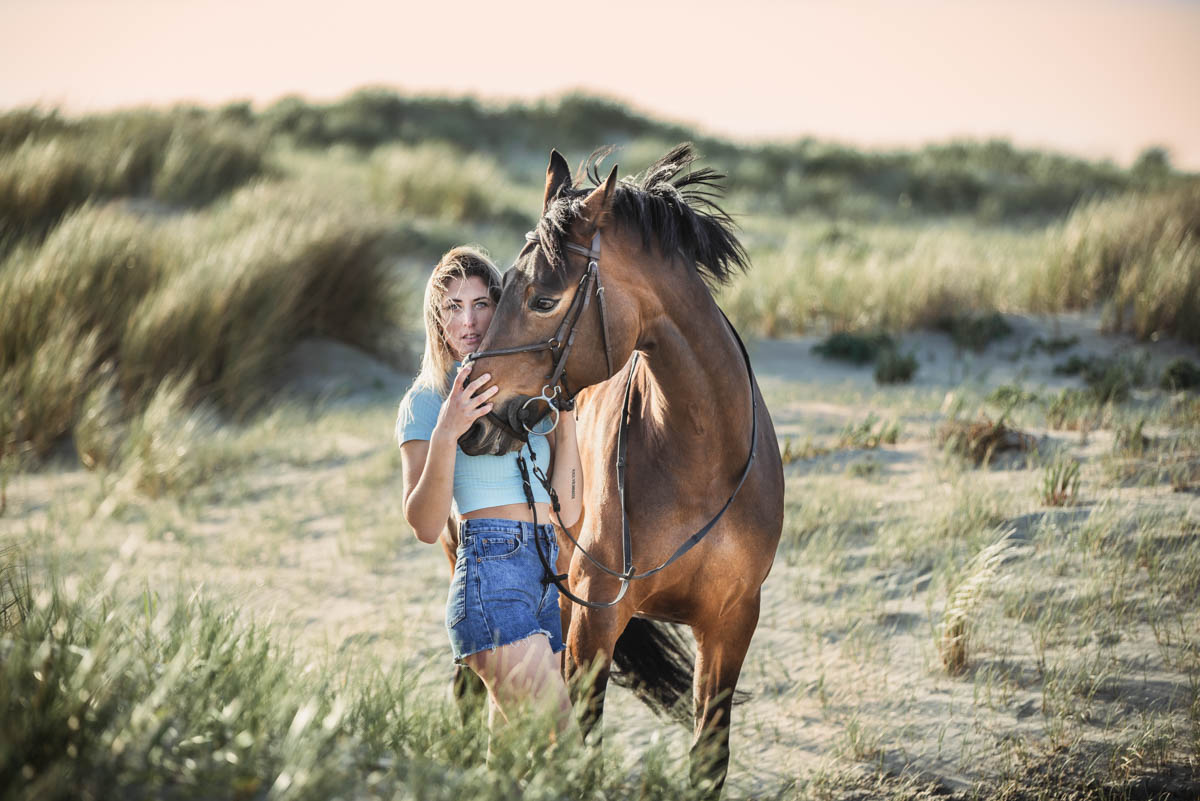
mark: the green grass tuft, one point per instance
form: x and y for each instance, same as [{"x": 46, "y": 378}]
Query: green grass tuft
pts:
[{"x": 893, "y": 367}]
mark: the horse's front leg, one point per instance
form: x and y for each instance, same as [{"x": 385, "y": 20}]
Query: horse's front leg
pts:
[
  {"x": 592, "y": 635},
  {"x": 721, "y": 645}
]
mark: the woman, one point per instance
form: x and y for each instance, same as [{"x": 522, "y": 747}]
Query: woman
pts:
[{"x": 502, "y": 618}]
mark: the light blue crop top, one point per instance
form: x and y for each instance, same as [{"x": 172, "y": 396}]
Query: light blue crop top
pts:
[{"x": 479, "y": 481}]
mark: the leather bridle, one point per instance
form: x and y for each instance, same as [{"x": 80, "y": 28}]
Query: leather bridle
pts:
[
  {"x": 557, "y": 392},
  {"x": 559, "y": 398}
]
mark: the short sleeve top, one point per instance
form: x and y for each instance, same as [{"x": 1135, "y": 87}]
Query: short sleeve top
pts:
[{"x": 479, "y": 481}]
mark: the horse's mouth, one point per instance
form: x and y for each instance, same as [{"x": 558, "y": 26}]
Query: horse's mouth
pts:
[{"x": 487, "y": 436}]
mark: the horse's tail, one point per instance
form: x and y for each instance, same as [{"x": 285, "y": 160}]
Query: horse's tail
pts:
[{"x": 656, "y": 662}]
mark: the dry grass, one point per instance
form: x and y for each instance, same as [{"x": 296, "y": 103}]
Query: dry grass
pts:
[
  {"x": 1138, "y": 257},
  {"x": 49, "y": 165},
  {"x": 116, "y": 298},
  {"x": 978, "y": 580},
  {"x": 979, "y": 441}
]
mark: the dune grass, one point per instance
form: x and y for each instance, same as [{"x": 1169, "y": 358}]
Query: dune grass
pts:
[
  {"x": 50, "y": 165},
  {"x": 218, "y": 297},
  {"x": 1137, "y": 257},
  {"x": 152, "y": 697}
]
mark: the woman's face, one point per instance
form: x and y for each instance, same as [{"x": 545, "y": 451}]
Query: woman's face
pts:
[{"x": 466, "y": 313}]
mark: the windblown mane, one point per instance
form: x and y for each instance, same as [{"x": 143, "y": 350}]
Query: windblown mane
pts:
[{"x": 672, "y": 206}]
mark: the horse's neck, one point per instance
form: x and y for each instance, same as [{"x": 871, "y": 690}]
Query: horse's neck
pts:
[{"x": 696, "y": 395}]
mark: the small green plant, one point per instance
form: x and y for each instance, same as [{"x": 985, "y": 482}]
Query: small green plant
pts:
[
  {"x": 1130, "y": 439},
  {"x": 791, "y": 452},
  {"x": 1011, "y": 395},
  {"x": 1060, "y": 482},
  {"x": 864, "y": 468},
  {"x": 869, "y": 434},
  {"x": 1053, "y": 345},
  {"x": 14, "y": 588},
  {"x": 1074, "y": 365},
  {"x": 1180, "y": 374},
  {"x": 892, "y": 367},
  {"x": 852, "y": 347},
  {"x": 1109, "y": 379},
  {"x": 1073, "y": 410},
  {"x": 975, "y": 332}
]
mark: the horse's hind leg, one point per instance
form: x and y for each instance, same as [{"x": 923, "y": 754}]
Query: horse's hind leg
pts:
[{"x": 721, "y": 645}]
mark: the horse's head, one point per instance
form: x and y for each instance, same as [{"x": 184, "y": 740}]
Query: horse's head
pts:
[{"x": 546, "y": 302}]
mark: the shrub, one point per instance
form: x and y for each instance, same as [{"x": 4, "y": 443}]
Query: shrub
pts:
[
  {"x": 852, "y": 347},
  {"x": 982, "y": 439},
  {"x": 975, "y": 332},
  {"x": 1180, "y": 374},
  {"x": 892, "y": 367},
  {"x": 1109, "y": 380},
  {"x": 1053, "y": 345}
]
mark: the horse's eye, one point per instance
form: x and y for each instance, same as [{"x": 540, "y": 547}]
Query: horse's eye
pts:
[{"x": 543, "y": 303}]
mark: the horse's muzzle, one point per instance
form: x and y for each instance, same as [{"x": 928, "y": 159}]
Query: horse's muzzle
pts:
[{"x": 487, "y": 435}]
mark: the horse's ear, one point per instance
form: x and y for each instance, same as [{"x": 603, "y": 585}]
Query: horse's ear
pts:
[
  {"x": 558, "y": 175},
  {"x": 597, "y": 205}
]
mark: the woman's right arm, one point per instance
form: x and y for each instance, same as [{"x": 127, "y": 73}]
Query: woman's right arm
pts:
[{"x": 428, "y": 465}]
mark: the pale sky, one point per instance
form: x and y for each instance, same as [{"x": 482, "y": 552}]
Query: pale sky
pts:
[{"x": 1100, "y": 79}]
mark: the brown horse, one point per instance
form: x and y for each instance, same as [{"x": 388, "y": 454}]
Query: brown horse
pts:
[{"x": 691, "y": 399}]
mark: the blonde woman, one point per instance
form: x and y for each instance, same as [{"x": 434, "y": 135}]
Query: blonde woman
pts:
[{"x": 502, "y": 616}]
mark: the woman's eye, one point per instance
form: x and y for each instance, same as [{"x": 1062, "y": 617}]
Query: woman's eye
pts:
[{"x": 543, "y": 304}]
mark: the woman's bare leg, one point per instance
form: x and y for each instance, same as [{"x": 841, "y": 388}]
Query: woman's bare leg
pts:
[{"x": 525, "y": 674}]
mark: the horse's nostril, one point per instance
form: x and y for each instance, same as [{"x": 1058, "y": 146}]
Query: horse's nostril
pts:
[{"x": 472, "y": 434}]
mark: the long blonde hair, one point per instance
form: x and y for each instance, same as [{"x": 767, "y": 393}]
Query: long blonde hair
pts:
[{"x": 465, "y": 261}]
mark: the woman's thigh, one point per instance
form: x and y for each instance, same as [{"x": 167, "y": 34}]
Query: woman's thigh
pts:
[{"x": 523, "y": 671}]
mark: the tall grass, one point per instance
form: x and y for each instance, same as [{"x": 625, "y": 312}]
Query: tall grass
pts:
[
  {"x": 219, "y": 297},
  {"x": 889, "y": 277},
  {"x": 49, "y": 166},
  {"x": 435, "y": 180},
  {"x": 1136, "y": 256},
  {"x": 143, "y": 698}
]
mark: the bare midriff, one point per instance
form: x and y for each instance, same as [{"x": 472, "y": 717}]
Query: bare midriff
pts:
[{"x": 513, "y": 511}]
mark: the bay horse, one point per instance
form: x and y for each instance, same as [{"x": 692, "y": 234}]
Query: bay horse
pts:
[{"x": 697, "y": 426}]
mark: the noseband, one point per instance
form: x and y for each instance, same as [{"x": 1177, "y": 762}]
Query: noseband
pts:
[
  {"x": 559, "y": 397},
  {"x": 556, "y": 392}
]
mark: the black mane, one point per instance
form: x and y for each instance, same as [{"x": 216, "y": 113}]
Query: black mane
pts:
[{"x": 672, "y": 206}]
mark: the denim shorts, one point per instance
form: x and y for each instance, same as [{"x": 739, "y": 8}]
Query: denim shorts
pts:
[{"x": 498, "y": 596}]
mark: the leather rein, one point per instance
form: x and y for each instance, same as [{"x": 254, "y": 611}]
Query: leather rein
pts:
[{"x": 559, "y": 398}]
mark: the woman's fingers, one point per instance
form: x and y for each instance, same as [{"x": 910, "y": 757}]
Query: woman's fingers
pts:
[
  {"x": 480, "y": 411},
  {"x": 460, "y": 380},
  {"x": 474, "y": 386}
]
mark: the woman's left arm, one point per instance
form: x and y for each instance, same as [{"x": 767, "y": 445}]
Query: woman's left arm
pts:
[{"x": 566, "y": 475}]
